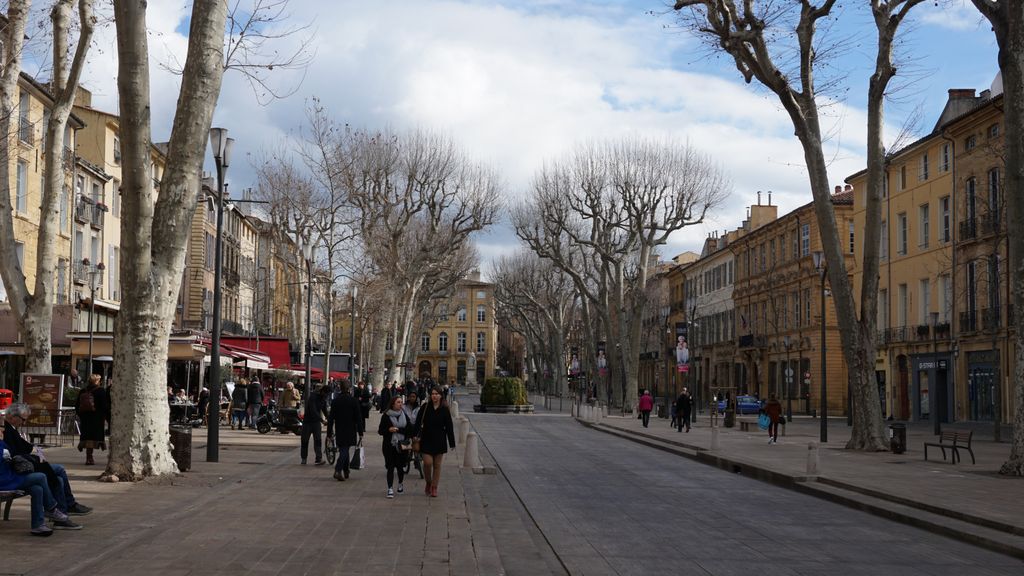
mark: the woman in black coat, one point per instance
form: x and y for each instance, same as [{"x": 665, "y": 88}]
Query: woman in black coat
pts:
[
  {"x": 437, "y": 434},
  {"x": 397, "y": 429},
  {"x": 93, "y": 409}
]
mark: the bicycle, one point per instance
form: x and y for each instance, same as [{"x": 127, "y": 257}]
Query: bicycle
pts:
[
  {"x": 414, "y": 460},
  {"x": 330, "y": 450}
]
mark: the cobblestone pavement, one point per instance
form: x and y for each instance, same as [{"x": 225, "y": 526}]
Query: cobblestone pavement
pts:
[{"x": 610, "y": 506}]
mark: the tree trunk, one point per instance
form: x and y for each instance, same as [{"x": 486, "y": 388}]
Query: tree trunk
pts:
[{"x": 153, "y": 255}]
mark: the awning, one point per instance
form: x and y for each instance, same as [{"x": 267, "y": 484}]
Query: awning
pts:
[{"x": 318, "y": 373}]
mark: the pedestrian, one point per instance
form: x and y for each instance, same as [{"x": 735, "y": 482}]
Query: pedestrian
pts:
[
  {"x": 645, "y": 405},
  {"x": 397, "y": 429},
  {"x": 203, "y": 405},
  {"x": 434, "y": 427},
  {"x": 312, "y": 422},
  {"x": 345, "y": 423},
  {"x": 254, "y": 392},
  {"x": 774, "y": 411},
  {"x": 683, "y": 406},
  {"x": 290, "y": 397},
  {"x": 92, "y": 408},
  {"x": 386, "y": 393},
  {"x": 240, "y": 403},
  {"x": 365, "y": 397},
  {"x": 672, "y": 414}
]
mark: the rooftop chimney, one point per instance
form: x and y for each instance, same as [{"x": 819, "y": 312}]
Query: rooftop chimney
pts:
[{"x": 758, "y": 197}]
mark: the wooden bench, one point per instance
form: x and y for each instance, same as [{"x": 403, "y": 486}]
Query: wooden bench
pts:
[
  {"x": 746, "y": 423},
  {"x": 955, "y": 440},
  {"x": 8, "y": 497}
]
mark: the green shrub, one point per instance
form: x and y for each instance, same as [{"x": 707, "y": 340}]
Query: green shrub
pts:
[{"x": 503, "y": 391}]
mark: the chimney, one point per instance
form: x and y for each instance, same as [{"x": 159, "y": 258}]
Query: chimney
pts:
[
  {"x": 758, "y": 197},
  {"x": 769, "y": 197},
  {"x": 849, "y": 188},
  {"x": 839, "y": 189}
]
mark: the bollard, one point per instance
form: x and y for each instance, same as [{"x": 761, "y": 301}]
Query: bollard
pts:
[
  {"x": 812, "y": 459},
  {"x": 472, "y": 457},
  {"x": 714, "y": 437},
  {"x": 453, "y": 407},
  {"x": 463, "y": 428}
]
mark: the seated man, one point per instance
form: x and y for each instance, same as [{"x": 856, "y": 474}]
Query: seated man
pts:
[
  {"x": 44, "y": 505},
  {"x": 56, "y": 476}
]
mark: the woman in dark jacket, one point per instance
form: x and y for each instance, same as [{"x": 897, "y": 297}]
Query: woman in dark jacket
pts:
[
  {"x": 397, "y": 430},
  {"x": 437, "y": 434},
  {"x": 93, "y": 409}
]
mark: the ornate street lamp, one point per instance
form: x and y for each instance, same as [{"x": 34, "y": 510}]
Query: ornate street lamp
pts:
[
  {"x": 95, "y": 278},
  {"x": 822, "y": 267},
  {"x": 307, "y": 255},
  {"x": 221, "y": 146}
]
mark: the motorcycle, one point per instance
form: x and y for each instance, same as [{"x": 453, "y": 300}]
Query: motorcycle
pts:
[{"x": 284, "y": 420}]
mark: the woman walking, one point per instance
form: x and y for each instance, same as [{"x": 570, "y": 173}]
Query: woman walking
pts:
[
  {"x": 434, "y": 428},
  {"x": 774, "y": 411},
  {"x": 239, "y": 403},
  {"x": 396, "y": 428},
  {"x": 93, "y": 409},
  {"x": 645, "y": 405}
]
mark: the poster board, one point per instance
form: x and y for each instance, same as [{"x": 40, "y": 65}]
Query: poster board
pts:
[{"x": 44, "y": 393}]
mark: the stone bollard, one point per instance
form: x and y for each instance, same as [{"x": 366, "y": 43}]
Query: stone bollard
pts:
[
  {"x": 472, "y": 453},
  {"x": 463, "y": 428},
  {"x": 714, "y": 438},
  {"x": 453, "y": 407},
  {"x": 812, "y": 459}
]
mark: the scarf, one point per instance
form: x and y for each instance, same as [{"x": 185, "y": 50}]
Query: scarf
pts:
[{"x": 398, "y": 420}]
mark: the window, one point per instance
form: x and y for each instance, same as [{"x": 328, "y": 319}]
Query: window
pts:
[
  {"x": 796, "y": 308},
  {"x": 771, "y": 250},
  {"x": 24, "y": 125},
  {"x": 425, "y": 342},
  {"x": 925, "y": 300},
  {"x": 481, "y": 340},
  {"x": 901, "y": 231},
  {"x": 901, "y": 305},
  {"x": 480, "y": 294},
  {"x": 481, "y": 313},
  {"x": 117, "y": 151},
  {"x": 209, "y": 251},
  {"x": 442, "y": 342},
  {"x": 461, "y": 314},
  {"x": 19, "y": 250},
  {"x": 884, "y": 241},
  {"x": 993, "y": 130},
  {"x": 796, "y": 244},
  {"x": 923, "y": 175},
  {"x": 22, "y": 184},
  {"x": 923, "y": 225},
  {"x": 805, "y": 240},
  {"x": 972, "y": 287},
  {"x": 97, "y": 193},
  {"x": 389, "y": 343},
  {"x": 64, "y": 193},
  {"x": 944, "y": 162},
  {"x": 993, "y": 283},
  {"x": 970, "y": 142},
  {"x": 944, "y": 207},
  {"x": 61, "y": 297},
  {"x": 852, "y": 235},
  {"x": 971, "y": 199},
  {"x": 947, "y": 297},
  {"x": 782, "y": 248},
  {"x": 115, "y": 198},
  {"x": 883, "y": 308},
  {"x": 903, "y": 177},
  {"x": 993, "y": 198},
  {"x": 807, "y": 306},
  {"x": 461, "y": 342}
]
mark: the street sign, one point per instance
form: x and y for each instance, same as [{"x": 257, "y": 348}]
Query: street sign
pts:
[{"x": 789, "y": 372}]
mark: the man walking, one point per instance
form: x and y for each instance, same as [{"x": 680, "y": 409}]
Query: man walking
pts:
[
  {"x": 683, "y": 406},
  {"x": 254, "y": 394},
  {"x": 316, "y": 415},
  {"x": 345, "y": 423}
]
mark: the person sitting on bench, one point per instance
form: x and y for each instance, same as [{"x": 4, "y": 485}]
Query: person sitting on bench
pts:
[
  {"x": 56, "y": 475},
  {"x": 44, "y": 505}
]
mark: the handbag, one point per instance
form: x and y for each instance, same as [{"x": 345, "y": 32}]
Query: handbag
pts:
[
  {"x": 763, "y": 421},
  {"x": 405, "y": 445},
  {"x": 22, "y": 465},
  {"x": 358, "y": 458}
]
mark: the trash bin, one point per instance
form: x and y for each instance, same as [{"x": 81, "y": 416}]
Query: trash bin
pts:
[
  {"x": 181, "y": 447},
  {"x": 898, "y": 438}
]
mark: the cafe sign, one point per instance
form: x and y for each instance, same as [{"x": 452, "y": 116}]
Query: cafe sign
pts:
[{"x": 43, "y": 393}]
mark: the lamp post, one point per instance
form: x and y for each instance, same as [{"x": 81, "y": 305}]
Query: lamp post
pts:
[
  {"x": 934, "y": 381},
  {"x": 822, "y": 267},
  {"x": 307, "y": 255},
  {"x": 352, "y": 338},
  {"x": 221, "y": 146},
  {"x": 788, "y": 379},
  {"x": 95, "y": 277}
]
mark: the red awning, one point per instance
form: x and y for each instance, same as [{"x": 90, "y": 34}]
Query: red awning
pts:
[
  {"x": 275, "y": 348},
  {"x": 318, "y": 373}
]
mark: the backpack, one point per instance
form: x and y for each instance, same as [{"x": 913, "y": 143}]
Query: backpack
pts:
[{"x": 86, "y": 402}]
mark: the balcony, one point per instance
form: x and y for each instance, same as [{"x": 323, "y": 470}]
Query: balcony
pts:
[
  {"x": 80, "y": 273},
  {"x": 231, "y": 278},
  {"x": 894, "y": 335},
  {"x": 69, "y": 159},
  {"x": 991, "y": 319},
  {"x": 83, "y": 210},
  {"x": 969, "y": 321},
  {"x": 968, "y": 229},
  {"x": 97, "y": 216},
  {"x": 752, "y": 341},
  {"x": 924, "y": 332}
]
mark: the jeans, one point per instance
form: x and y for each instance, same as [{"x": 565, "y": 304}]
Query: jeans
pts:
[
  {"x": 773, "y": 430},
  {"x": 239, "y": 416},
  {"x": 254, "y": 413},
  {"x": 341, "y": 464},
  {"x": 304, "y": 450},
  {"x": 646, "y": 417},
  {"x": 42, "y": 500},
  {"x": 62, "y": 490}
]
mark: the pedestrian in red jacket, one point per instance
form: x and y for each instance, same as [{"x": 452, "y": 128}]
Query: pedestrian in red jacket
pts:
[{"x": 646, "y": 405}]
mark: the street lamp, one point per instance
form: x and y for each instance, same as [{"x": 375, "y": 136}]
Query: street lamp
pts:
[
  {"x": 822, "y": 267},
  {"x": 934, "y": 383},
  {"x": 221, "y": 146},
  {"x": 307, "y": 255},
  {"x": 788, "y": 379},
  {"x": 352, "y": 337},
  {"x": 95, "y": 278}
]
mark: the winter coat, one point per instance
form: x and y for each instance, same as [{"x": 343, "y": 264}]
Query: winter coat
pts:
[
  {"x": 254, "y": 392},
  {"x": 239, "y": 398},
  {"x": 434, "y": 427},
  {"x": 646, "y": 403},
  {"x": 345, "y": 422},
  {"x": 774, "y": 410}
]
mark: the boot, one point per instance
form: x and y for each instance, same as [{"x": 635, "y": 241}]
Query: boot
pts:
[
  {"x": 88, "y": 457},
  {"x": 433, "y": 491}
]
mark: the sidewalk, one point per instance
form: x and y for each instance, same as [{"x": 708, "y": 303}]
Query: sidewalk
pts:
[
  {"x": 965, "y": 501},
  {"x": 258, "y": 511}
]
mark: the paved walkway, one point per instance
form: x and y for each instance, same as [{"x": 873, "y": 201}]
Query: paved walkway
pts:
[
  {"x": 955, "y": 497},
  {"x": 258, "y": 511}
]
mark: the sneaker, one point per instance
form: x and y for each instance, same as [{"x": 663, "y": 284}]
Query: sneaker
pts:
[
  {"x": 303, "y": 462},
  {"x": 79, "y": 509},
  {"x": 56, "y": 515},
  {"x": 391, "y": 493},
  {"x": 319, "y": 463},
  {"x": 769, "y": 440},
  {"x": 339, "y": 476},
  {"x": 401, "y": 487},
  {"x": 43, "y": 530},
  {"x": 66, "y": 525},
  {"x": 346, "y": 474}
]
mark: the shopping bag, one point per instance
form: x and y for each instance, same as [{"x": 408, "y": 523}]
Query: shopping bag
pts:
[
  {"x": 358, "y": 460},
  {"x": 763, "y": 421}
]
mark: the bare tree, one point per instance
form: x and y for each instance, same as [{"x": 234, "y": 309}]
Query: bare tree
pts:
[
  {"x": 1007, "y": 19},
  {"x": 33, "y": 310},
  {"x": 753, "y": 35}
]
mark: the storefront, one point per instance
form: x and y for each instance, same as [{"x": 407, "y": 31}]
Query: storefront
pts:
[{"x": 931, "y": 386}]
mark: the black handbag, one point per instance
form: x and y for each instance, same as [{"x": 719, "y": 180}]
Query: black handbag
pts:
[{"x": 22, "y": 465}]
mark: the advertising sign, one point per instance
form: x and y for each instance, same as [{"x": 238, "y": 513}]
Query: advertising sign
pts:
[
  {"x": 682, "y": 348},
  {"x": 574, "y": 361},
  {"x": 43, "y": 393},
  {"x": 602, "y": 358}
]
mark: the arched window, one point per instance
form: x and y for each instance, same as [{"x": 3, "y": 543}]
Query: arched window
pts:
[
  {"x": 425, "y": 342},
  {"x": 481, "y": 313},
  {"x": 462, "y": 342},
  {"x": 442, "y": 341}
]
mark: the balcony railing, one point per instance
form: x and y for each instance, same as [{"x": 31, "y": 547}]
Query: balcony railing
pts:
[
  {"x": 924, "y": 332},
  {"x": 97, "y": 216},
  {"x": 968, "y": 229},
  {"x": 83, "y": 211},
  {"x": 26, "y": 132},
  {"x": 80, "y": 273},
  {"x": 231, "y": 278},
  {"x": 752, "y": 341},
  {"x": 69, "y": 158},
  {"x": 991, "y": 319},
  {"x": 969, "y": 321}
]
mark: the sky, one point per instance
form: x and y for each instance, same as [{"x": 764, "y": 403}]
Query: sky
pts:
[{"x": 520, "y": 83}]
